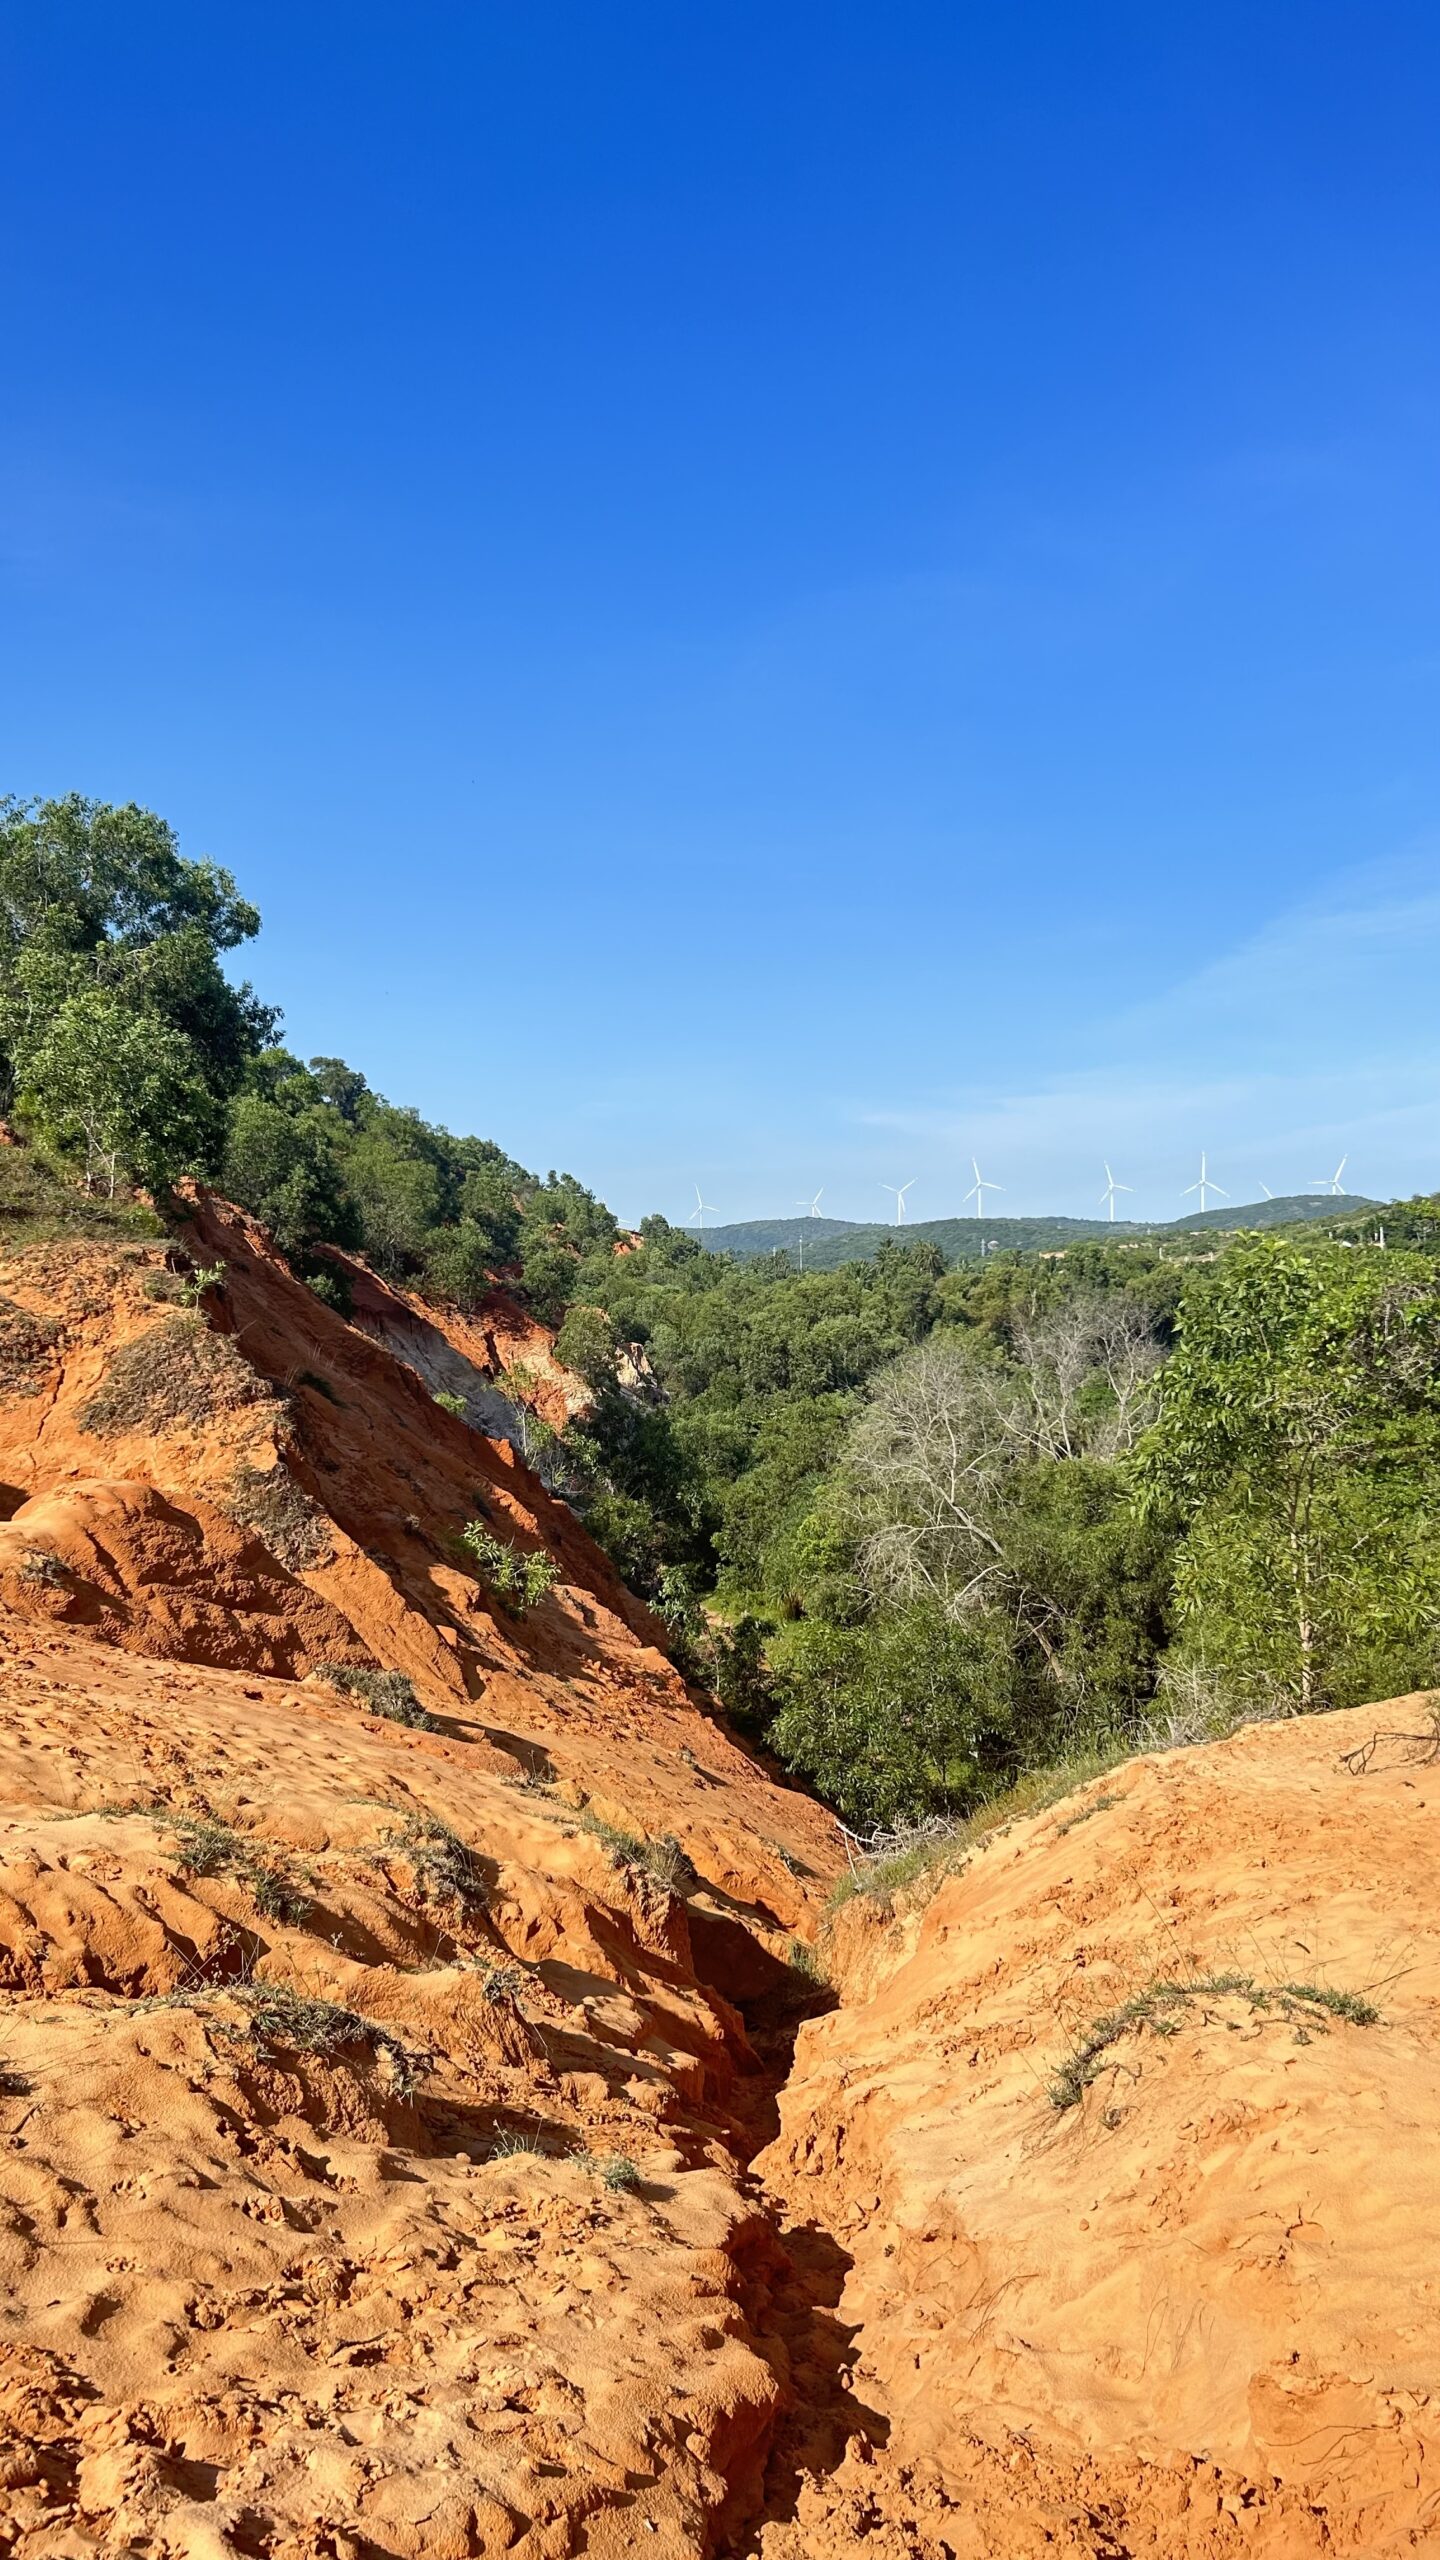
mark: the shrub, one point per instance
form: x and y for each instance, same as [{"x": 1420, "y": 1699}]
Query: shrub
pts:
[
  {"x": 585, "y": 1344},
  {"x": 501, "y": 1983},
  {"x": 38, "y": 1565},
  {"x": 897, "y": 1718},
  {"x": 291, "y": 2018},
  {"x": 511, "y": 2141},
  {"x": 332, "y": 1289},
  {"x": 805, "y": 1960},
  {"x": 26, "y": 1345},
  {"x": 385, "y": 1693},
  {"x": 517, "y": 1580},
  {"x": 450, "y": 1404}
]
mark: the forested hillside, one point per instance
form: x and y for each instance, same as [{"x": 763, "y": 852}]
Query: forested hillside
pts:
[
  {"x": 922, "y": 1528},
  {"x": 822, "y": 1244}
]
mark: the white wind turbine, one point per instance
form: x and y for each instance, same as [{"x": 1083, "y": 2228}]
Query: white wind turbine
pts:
[
  {"x": 1265, "y": 1187},
  {"x": 899, "y": 1190},
  {"x": 978, "y": 1189},
  {"x": 1107, "y": 1196},
  {"x": 1202, "y": 1186},
  {"x": 812, "y": 1207},
  {"x": 701, "y": 1207},
  {"x": 1331, "y": 1182}
]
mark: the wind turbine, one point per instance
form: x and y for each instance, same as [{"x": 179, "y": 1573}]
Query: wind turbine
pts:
[
  {"x": 1107, "y": 1196},
  {"x": 899, "y": 1191},
  {"x": 1332, "y": 1182},
  {"x": 979, "y": 1188},
  {"x": 701, "y": 1206},
  {"x": 1265, "y": 1187},
  {"x": 812, "y": 1207},
  {"x": 1202, "y": 1186}
]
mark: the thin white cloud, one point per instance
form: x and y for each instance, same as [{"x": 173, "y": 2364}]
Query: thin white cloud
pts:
[{"x": 1314, "y": 1039}]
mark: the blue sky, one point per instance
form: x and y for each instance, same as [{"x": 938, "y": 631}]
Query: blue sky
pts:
[{"x": 773, "y": 594}]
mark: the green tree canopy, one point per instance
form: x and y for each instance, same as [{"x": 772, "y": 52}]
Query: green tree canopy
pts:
[{"x": 1299, "y": 1438}]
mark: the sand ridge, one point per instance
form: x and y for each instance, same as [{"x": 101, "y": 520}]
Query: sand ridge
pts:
[{"x": 1200, "y": 2307}]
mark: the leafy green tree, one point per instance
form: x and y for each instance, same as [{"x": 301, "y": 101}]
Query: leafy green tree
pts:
[
  {"x": 125, "y": 1086},
  {"x": 905, "y": 1715},
  {"x": 1299, "y": 1438},
  {"x": 488, "y": 1204},
  {"x": 105, "y": 897},
  {"x": 344, "y": 1088},
  {"x": 397, "y": 1195},
  {"x": 459, "y": 1264},
  {"x": 585, "y": 1344},
  {"x": 283, "y": 1166}
]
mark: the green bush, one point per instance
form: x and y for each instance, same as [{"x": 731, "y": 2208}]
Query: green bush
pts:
[
  {"x": 905, "y": 1715},
  {"x": 518, "y": 1580}
]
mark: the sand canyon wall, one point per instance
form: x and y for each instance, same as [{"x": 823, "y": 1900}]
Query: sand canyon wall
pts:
[{"x": 400, "y": 2151}]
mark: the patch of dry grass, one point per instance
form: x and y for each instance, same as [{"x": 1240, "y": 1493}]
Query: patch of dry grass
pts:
[
  {"x": 177, "y": 1371},
  {"x": 268, "y": 1501},
  {"x": 26, "y": 1345}
]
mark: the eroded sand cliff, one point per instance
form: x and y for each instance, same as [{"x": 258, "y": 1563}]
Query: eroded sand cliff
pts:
[{"x": 378, "y": 2103}]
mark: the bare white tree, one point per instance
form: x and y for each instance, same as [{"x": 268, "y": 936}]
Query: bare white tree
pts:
[
  {"x": 929, "y": 1461},
  {"x": 925, "y": 1463},
  {"x": 1090, "y": 1371}
]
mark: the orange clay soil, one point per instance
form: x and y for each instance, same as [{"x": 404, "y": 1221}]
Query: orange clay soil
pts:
[
  {"x": 1198, "y": 2310},
  {"x": 372, "y": 2099},
  {"x": 375, "y": 2102}
]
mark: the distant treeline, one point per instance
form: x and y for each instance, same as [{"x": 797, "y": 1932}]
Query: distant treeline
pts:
[{"x": 822, "y": 1244}]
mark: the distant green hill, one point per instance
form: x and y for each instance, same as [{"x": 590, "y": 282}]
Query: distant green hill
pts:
[{"x": 827, "y": 1242}]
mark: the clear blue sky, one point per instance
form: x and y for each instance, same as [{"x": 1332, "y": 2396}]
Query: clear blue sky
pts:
[{"x": 765, "y": 593}]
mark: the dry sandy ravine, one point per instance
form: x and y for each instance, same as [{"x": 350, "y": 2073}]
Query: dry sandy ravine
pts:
[{"x": 417, "y": 2138}]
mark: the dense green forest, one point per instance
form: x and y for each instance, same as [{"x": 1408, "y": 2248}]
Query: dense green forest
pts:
[{"x": 919, "y": 1527}]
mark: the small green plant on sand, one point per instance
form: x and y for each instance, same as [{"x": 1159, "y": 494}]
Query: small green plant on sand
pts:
[
  {"x": 618, "y": 2174},
  {"x": 38, "y": 1565},
  {"x": 441, "y": 1862},
  {"x": 281, "y": 2016},
  {"x": 663, "y": 1859},
  {"x": 511, "y": 2141},
  {"x": 1087, "y": 1812},
  {"x": 383, "y": 1693},
  {"x": 206, "y": 1847},
  {"x": 805, "y": 1959},
  {"x": 1306, "y": 2006},
  {"x": 517, "y": 1580}
]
